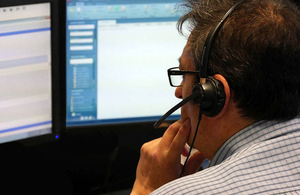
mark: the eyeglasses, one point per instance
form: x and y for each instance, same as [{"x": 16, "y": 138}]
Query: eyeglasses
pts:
[{"x": 175, "y": 76}]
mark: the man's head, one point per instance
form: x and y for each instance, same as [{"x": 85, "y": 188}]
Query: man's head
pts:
[{"x": 257, "y": 51}]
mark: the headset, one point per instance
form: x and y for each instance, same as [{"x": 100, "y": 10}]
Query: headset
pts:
[{"x": 209, "y": 93}]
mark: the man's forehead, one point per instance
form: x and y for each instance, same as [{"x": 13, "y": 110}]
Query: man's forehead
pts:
[{"x": 186, "y": 60}]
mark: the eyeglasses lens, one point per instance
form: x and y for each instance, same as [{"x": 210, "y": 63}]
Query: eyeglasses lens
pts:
[{"x": 176, "y": 80}]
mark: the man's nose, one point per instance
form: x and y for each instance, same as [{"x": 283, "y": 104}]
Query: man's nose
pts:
[{"x": 178, "y": 92}]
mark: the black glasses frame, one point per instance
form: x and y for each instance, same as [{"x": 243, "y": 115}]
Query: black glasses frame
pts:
[{"x": 172, "y": 71}]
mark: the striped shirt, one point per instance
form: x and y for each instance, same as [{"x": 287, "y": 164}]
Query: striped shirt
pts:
[{"x": 263, "y": 158}]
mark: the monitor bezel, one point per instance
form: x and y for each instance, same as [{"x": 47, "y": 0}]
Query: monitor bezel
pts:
[{"x": 57, "y": 73}]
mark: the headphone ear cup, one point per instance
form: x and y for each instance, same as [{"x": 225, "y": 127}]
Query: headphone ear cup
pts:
[
  {"x": 212, "y": 98},
  {"x": 198, "y": 89}
]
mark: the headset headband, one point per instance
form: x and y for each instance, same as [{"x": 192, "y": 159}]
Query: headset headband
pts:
[{"x": 210, "y": 40}]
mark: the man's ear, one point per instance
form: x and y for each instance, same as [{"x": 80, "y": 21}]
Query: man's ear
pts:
[{"x": 227, "y": 94}]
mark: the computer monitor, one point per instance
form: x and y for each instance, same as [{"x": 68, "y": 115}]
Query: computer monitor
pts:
[
  {"x": 29, "y": 73},
  {"x": 117, "y": 56}
]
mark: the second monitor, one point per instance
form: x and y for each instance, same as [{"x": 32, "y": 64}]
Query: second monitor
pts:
[{"x": 118, "y": 53}]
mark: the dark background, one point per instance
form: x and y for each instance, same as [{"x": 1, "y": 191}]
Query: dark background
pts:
[{"x": 90, "y": 160}]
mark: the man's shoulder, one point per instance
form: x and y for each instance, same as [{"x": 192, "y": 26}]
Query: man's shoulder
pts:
[{"x": 269, "y": 166}]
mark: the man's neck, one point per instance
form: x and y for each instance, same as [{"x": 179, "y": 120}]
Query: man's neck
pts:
[{"x": 217, "y": 131}]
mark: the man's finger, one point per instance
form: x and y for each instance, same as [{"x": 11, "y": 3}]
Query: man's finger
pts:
[
  {"x": 181, "y": 138},
  {"x": 194, "y": 163},
  {"x": 170, "y": 134},
  {"x": 185, "y": 150}
]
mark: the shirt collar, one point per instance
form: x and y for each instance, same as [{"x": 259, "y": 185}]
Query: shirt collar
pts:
[{"x": 257, "y": 132}]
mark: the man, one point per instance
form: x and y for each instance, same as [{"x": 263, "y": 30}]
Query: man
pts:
[{"x": 253, "y": 142}]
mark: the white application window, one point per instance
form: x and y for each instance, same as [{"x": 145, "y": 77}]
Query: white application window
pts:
[{"x": 133, "y": 59}]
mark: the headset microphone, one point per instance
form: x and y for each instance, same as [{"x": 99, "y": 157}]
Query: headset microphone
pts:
[
  {"x": 196, "y": 94},
  {"x": 210, "y": 96}
]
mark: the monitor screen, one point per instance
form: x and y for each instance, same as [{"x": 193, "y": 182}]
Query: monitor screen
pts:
[
  {"x": 25, "y": 72},
  {"x": 117, "y": 56}
]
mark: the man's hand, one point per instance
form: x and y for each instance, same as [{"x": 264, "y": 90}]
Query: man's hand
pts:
[{"x": 160, "y": 160}]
